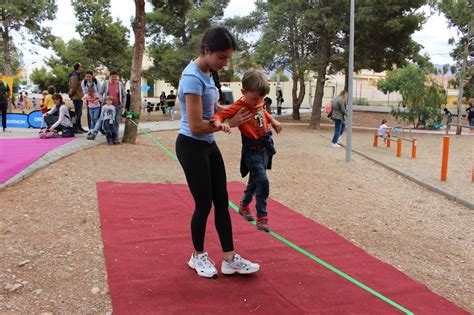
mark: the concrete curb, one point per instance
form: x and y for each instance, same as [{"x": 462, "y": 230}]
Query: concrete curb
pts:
[
  {"x": 65, "y": 150},
  {"x": 414, "y": 179}
]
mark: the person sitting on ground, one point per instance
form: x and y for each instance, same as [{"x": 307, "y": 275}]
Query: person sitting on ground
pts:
[
  {"x": 382, "y": 131},
  {"x": 257, "y": 144},
  {"x": 63, "y": 124}
]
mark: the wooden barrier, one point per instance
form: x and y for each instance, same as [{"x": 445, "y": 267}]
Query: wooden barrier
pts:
[{"x": 399, "y": 144}]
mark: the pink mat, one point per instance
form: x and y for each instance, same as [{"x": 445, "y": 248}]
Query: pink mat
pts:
[{"x": 18, "y": 154}]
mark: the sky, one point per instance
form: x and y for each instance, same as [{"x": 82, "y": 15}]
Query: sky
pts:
[{"x": 434, "y": 35}]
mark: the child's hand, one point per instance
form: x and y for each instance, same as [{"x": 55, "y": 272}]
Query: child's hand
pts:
[
  {"x": 222, "y": 126},
  {"x": 276, "y": 125}
]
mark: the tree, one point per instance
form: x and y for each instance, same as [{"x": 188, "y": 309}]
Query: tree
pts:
[
  {"x": 459, "y": 15},
  {"x": 24, "y": 16},
  {"x": 105, "y": 41},
  {"x": 130, "y": 133},
  {"x": 185, "y": 21},
  {"x": 313, "y": 36},
  {"x": 421, "y": 100},
  {"x": 61, "y": 64}
]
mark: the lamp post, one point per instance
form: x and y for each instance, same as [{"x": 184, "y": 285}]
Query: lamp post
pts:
[{"x": 351, "y": 71}]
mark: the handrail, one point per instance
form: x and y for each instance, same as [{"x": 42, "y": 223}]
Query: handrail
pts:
[{"x": 457, "y": 125}]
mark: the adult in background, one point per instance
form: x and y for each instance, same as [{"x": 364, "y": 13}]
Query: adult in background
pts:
[
  {"x": 279, "y": 100},
  {"x": 90, "y": 82},
  {"x": 75, "y": 94},
  {"x": 339, "y": 114},
  {"x": 199, "y": 155},
  {"x": 470, "y": 114},
  {"x": 5, "y": 93},
  {"x": 171, "y": 102},
  {"x": 114, "y": 88},
  {"x": 128, "y": 101},
  {"x": 163, "y": 102}
]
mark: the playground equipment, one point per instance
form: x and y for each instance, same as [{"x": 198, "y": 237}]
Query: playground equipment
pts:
[
  {"x": 399, "y": 135},
  {"x": 445, "y": 155}
]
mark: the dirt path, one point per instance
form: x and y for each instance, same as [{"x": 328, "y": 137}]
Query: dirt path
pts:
[{"x": 50, "y": 223}]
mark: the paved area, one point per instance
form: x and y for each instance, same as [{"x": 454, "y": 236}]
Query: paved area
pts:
[{"x": 79, "y": 143}]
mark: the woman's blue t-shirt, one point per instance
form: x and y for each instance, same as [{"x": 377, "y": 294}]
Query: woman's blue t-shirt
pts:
[{"x": 195, "y": 81}]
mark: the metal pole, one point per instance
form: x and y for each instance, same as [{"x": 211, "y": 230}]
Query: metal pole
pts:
[{"x": 351, "y": 71}]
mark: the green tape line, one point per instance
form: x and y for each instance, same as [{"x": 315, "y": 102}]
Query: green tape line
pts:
[
  {"x": 155, "y": 141},
  {"x": 131, "y": 115},
  {"x": 296, "y": 247}
]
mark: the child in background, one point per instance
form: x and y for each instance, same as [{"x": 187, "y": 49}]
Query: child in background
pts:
[
  {"x": 107, "y": 116},
  {"x": 43, "y": 108},
  {"x": 33, "y": 102},
  {"x": 48, "y": 99},
  {"x": 91, "y": 99},
  {"x": 257, "y": 144},
  {"x": 149, "y": 109},
  {"x": 383, "y": 129}
]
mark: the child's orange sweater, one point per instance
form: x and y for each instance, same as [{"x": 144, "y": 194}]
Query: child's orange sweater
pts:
[{"x": 254, "y": 128}]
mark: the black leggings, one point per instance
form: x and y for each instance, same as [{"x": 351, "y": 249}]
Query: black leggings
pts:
[{"x": 205, "y": 173}]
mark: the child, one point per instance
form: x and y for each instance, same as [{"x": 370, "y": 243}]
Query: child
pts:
[
  {"x": 33, "y": 102},
  {"x": 91, "y": 99},
  {"x": 107, "y": 116},
  {"x": 43, "y": 108},
  {"x": 383, "y": 129},
  {"x": 48, "y": 99},
  {"x": 257, "y": 144},
  {"x": 149, "y": 109}
]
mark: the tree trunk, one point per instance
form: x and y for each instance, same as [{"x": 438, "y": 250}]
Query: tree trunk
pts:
[
  {"x": 297, "y": 95},
  {"x": 315, "y": 121},
  {"x": 130, "y": 134},
  {"x": 6, "y": 52}
]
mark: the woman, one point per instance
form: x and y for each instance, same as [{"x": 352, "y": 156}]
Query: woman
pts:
[
  {"x": 338, "y": 115},
  {"x": 279, "y": 99},
  {"x": 63, "y": 123},
  {"x": 198, "y": 154}
]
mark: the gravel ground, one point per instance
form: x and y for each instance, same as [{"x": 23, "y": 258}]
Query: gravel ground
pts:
[{"x": 50, "y": 229}]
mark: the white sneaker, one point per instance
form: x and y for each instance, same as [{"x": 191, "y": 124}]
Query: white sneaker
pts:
[
  {"x": 339, "y": 140},
  {"x": 239, "y": 265},
  {"x": 335, "y": 145},
  {"x": 203, "y": 265}
]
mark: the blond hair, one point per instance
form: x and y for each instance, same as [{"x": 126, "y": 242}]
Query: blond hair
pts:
[{"x": 255, "y": 80}]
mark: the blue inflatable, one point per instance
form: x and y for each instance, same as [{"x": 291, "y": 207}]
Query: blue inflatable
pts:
[
  {"x": 17, "y": 121},
  {"x": 35, "y": 118}
]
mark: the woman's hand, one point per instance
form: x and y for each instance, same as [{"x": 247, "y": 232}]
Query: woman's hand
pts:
[{"x": 242, "y": 116}]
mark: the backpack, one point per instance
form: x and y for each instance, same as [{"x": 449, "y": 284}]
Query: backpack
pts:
[{"x": 328, "y": 109}]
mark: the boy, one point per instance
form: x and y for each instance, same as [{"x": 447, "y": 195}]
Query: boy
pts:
[
  {"x": 257, "y": 144},
  {"x": 107, "y": 116}
]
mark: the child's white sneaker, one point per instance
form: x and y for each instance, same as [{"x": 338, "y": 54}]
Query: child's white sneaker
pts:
[
  {"x": 203, "y": 265},
  {"x": 239, "y": 265},
  {"x": 335, "y": 145}
]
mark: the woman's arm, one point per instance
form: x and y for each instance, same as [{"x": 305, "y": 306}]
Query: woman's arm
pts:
[
  {"x": 194, "y": 113},
  {"x": 62, "y": 115}
]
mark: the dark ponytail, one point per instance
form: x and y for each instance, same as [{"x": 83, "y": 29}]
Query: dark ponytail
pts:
[
  {"x": 217, "y": 38},
  {"x": 217, "y": 81}
]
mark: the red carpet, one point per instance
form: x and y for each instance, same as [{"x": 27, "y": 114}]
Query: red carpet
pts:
[
  {"x": 18, "y": 154},
  {"x": 147, "y": 242}
]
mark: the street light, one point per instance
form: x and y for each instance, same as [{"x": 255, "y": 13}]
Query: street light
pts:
[{"x": 351, "y": 70}]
